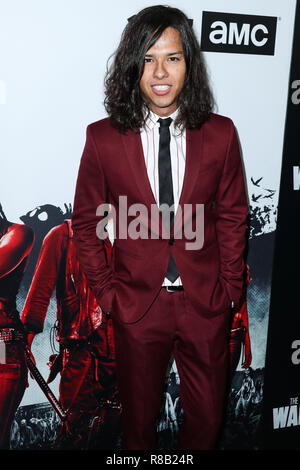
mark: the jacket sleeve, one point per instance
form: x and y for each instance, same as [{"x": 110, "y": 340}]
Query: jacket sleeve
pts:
[
  {"x": 91, "y": 191},
  {"x": 231, "y": 211}
]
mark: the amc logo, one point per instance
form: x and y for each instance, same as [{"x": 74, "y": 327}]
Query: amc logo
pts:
[{"x": 235, "y": 33}]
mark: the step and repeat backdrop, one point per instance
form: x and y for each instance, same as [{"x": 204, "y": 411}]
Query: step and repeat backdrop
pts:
[
  {"x": 281, "y": 417},
  {"x": 53, "y": 59}
]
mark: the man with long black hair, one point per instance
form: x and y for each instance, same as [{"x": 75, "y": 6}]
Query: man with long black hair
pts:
[{"x": 162, "y": 154}]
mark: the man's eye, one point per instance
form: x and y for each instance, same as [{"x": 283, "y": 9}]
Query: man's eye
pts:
[
  {"x": 173, "y": 59},
  {"x": 147, "y": 60}
]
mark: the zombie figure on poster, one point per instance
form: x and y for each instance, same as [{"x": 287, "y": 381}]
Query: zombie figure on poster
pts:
[
  {"x": 16, "y": 241},
  {"x": 239, "y": 341},
  {"x": 86, "y": 356}
]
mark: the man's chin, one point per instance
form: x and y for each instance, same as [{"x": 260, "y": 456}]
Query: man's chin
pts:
[{"x": 163, "y": 109}]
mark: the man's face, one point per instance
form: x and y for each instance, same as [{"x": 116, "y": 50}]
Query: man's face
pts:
[{"x": 164, "y": 73}]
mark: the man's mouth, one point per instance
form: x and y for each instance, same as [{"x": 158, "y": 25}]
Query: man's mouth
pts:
[{"x": 161, "y": 89}]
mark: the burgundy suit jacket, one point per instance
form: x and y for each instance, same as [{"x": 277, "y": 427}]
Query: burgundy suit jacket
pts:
[{"x": 113, "y": 165}]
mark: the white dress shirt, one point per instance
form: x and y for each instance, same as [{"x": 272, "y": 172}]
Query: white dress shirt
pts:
[{"x": 150, "y": 143}]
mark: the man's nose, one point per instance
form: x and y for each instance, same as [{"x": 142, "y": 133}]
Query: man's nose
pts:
[{"x": 160, "y": 70}]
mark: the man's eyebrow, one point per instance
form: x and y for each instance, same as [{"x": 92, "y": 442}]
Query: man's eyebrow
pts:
[{"x": 169, "y": 54}]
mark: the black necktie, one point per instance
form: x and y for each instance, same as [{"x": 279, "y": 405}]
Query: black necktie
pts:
[{"x": 165, "y": 182}]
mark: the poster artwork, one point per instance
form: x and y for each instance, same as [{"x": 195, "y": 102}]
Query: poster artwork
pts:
[
  {"x": 37, "y": 425},
  {"x": 71, "y": 340}
]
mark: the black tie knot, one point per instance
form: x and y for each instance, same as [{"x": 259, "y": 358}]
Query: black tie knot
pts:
[{"x": 164, "y": 122}]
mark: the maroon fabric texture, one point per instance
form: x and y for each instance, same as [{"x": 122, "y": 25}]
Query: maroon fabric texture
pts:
[
  {"x": 143, "y": 350},
  {"x": 113, "y": 165}
]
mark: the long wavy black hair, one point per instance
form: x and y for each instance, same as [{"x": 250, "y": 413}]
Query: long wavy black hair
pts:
[{"x": 123, "y": 99}]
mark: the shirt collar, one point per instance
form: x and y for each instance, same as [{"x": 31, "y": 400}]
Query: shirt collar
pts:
[{"x": 152, "y": 119}]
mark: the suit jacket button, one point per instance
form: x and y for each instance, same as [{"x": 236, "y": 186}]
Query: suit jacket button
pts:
[{"x": 171, "y": 241}]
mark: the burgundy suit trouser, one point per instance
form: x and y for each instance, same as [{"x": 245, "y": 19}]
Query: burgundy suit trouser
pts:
[{"x": 143, "y": 351}]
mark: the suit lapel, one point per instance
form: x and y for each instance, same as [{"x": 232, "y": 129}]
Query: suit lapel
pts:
[
  {"x": 194, "y": 153},
  {"x": 134, "y": 150}
]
